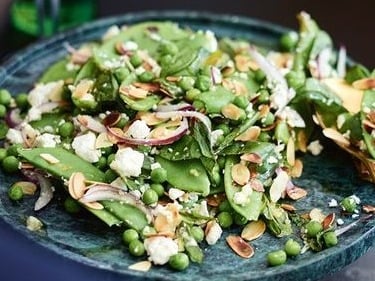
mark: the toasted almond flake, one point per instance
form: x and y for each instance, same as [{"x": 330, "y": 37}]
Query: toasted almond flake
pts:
[
  {"x": 264, "y": 109},
  {"x": 94, "y": 205},
  {"x": 112, "y": 137},
  {"x": 84, "y": 87},
  {"x": 167, "y": 220},
  {"x": 227, "y": 71},
  {"x": 290, "y": 152},
  {"x": 336, "y": 136},
  {"x": 368, "y": 124},
  {"x": 231, "y": 111},
  {"x": 133, "y": 92},
  {"x": 296, "y": 192},
  {"x": 49, "y": 158},
  {"x": 161, "y": 133},
  {"x": 302, "y": 141},
  {"x": 240, "y": 247},
  {"x": 240, "y": 174},
  {"x": 288, "y": 207},
  {"x": 252, "y": 158},
  {"x": 244, "y": 63},
  {"x": 150, "y": 87},
  {"x": 102, "y": 141},
  {"x": 28, "y": 188},
  {"x": 173, "y": 78},
  {"x": 256, "y": 185},
  {"x": 150, "y": 118},
  {"x": 278, "y": 186},
  {"x": 33, "y": 223},
  {"x": 368, "y": 208},
  {"x": 329, "y": 221},
  {"x": 316, "y": 214},
  {"x": 143, "y": 266},
  {"x": 364, "y": 84},
  {"x": 112, "y": 119},
  {"x": 253, "y": 230},
  {"x": 214, "y": 200},
  {"x": 297, "y": 169},
  {"x": 250, "y": 134},
  {"x": 77, "y": 186}
]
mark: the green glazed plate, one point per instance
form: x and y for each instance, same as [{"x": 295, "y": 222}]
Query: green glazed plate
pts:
[{"x": 88, "y": 241}]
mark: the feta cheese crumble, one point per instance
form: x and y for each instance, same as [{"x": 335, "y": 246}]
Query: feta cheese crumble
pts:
[
  {"x": 14, "y": 136},
  {"x": 47, "y": 140},
  {"x": 160, "y": 249},
  {"x": 315, "y": 147},
  {"x": 128, "y": 162},
  {"x": 84, "y": 147},
  {"x": 139, "y": 130},
  {"x": 214, "y": 233},
  {"x": 333, "y": 203}
]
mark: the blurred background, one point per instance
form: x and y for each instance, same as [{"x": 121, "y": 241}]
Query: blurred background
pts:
[{"x": 351, "y": 23}]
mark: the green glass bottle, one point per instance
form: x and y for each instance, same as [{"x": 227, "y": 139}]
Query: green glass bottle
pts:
[{"x": 43, "y": 18}]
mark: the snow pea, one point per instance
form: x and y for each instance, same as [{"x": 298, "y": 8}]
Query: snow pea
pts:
[
  {"x": 368, "y": 105},
  {"x": 188, "y": 175},
  {"x": 48, "y": 120},
  {"x": 278, "y": 221},
  {"x": 180, "y": 62},
  {"x": 216, "y": 99},
  {"x": 185, "y": 148},
  {"x": 143, "y": 104},
  {"x": 58, "y": 71},
  {"x": 253, "y": 208}
]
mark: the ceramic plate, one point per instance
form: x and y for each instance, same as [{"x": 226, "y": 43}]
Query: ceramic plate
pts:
[{"x": 88, "y": 241}]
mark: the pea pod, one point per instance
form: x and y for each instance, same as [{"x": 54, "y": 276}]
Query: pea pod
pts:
[
  {"x": 253, "y": 208},
  {"x": 278, "y": 221},
  {"x": 58, "y": 71},
  {"x": 188, "y": 175},
  {"x": 368, "y": 105},
  {"x": 214, "y": 100},
  {"x": 48, "y": 120}
]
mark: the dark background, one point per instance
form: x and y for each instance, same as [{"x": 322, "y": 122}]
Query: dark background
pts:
[{"x": 350, "y": 23}]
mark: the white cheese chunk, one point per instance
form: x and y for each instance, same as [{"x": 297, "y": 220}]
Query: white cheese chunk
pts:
[
  {"x": 47, "y": 140},
  {"x": 14, "y": 136},
  {"x": 84, "y": 147},
  {"x": 128, "y": 162},
  {"x": 160, "y": 249},
  {"x": 138, "y": 130}
]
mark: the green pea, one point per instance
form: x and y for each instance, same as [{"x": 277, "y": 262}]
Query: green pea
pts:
[
  {"x": 111, "y": 158},
  {"x": 168, "y": 48},
  {"x": 22, "y": 101},
  {"x": 136, "y": 248},
  {"x": 66, "y": 129},
  {"x": 10, "y": 164},
  {"x": 198, "y": 105},
  {"x": 150, "y": 197},
  {"x": 121, "y": 124},
  {"x": 3, "y": 154},
  {"x": 147, "y": 231},
  {"x": 3, "y": 111},
  {"x": 292, "y": 248},
  {"x": 295, "y": 79},
  {"x": 146, "y": 76},
  {"x": 192, "y": 94},
  {"x": 166, "y": 60},
  {"x": 3, "y": 129},
  {"x": 197, "y": 233},
  {"x": 348, "y": 204},
  {"x": 264, "y": 96},
  {"x": 225, "y": 219},
  {"x": 15, "y": 192},
  {"x": 159, "y": 189},
  {"x": 186, "y": 83},
  {"x": 225, "y": 206},
  {"x": 259, "y": 76},
  {"x": 179, "y": 261},
  {"x": 264, "y": 136},
  {"x": 102, "y": 163},
  {"x": 313, "y": 228},
  {"x": 110, "y": 175},
  {"x": 268, "y": 120},
  {"x": 288, "y": 41},
  {"x": 129, "y": 235},
  {"x": 224, "y": 127},
  {"x": 239, "y": 219},
  {"x": 203, "y": 83},
  {"x": 5, "y": 97},
  {"x": 71, "y": 206},
  {"x": 276, "y": 258},
  {"x": 121, "y": 73},
  {"x": 330, "y": 239},
  {"x": 159, "y": 175},
  {"x": 136, "y": 60},
  {"x": 12, "y": 150},
  {"x": 241, "y": 101}
]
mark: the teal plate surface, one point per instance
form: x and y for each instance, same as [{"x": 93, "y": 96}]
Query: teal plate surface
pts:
[{"x": 86, "y": 240}]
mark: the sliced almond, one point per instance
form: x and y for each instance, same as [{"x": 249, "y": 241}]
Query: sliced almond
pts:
[
  {"x": 252, "y": 158},
  {"x": 173, "y": 78},
  {"x": 250, "y": 134},
  {"x": 168, "y": 220},
  {"x": 336, "y": 136},
  {"x": 264, "y": 109},
  {"x": 240, "y": 174},
  {"x": 290, "y": 152},
  {"x": 49, "y": 158},
  {"x": 253, "y": 230},
  {"x": 256, "y": 185},
  {"x": 296, "y": 192},
  {"x": 227, "y": 71},
  {"x": 316, "y": 214},
  {"x": 150, "y": 87},
  {"x": 364, "y": 84},
  {"x": 112, "y": 119},
  {"x": 77, "y": 186},
  {"x": 297, "y": 169},
  {"x": 150, "y": 118},
  {"x": 302, "y": 141},
  {"x": 112, "y": 137},
  {"x": 102, "y": 141},
  {"x": 231, "y": 111},
  {"x": 143, "y": 266},
  {"x": 368, "y": 208},
  {"x": 288, "y": 207},
  {"x": 84, "y": 86},
  {"x": 329, "y": 221},
  {"x": 244, "y": 63},
  {"x": 133, "y": 92},
  {"x": 161, "y": 133},
  {"x": 28, "y": 188},
  {"x": 94, "y": 205},
  {"x": 240, "y": 247},
  {"x": 214, "y": 200}
]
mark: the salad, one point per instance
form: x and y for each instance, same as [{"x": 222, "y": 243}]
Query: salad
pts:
[{"x": 174, "y": 135}]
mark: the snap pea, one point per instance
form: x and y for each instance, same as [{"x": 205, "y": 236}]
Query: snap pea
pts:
[
  {"x": 278, "y": 221},
  {"x": 188, "y": 175},
  {"x": 48, "y": 121},
  {"x": 195, "y": 253},
  {"x": 214, "y": 100},
  {"x": 368, "y": 104},
  {"x": 58, "y": 71},
  {"x": 252, "y": 209}
]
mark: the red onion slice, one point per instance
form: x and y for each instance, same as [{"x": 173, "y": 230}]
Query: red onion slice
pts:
[
  {"x": 192, "y": 114},
  {"x": 178, "y": 133},
  {"x": 90, "y": 123},
  {"x": 13, "y": 118},
  {"x": 46, "y": 192},
  {"x": 174, "y": 107},
  {"x": 100, "y": 192}
]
